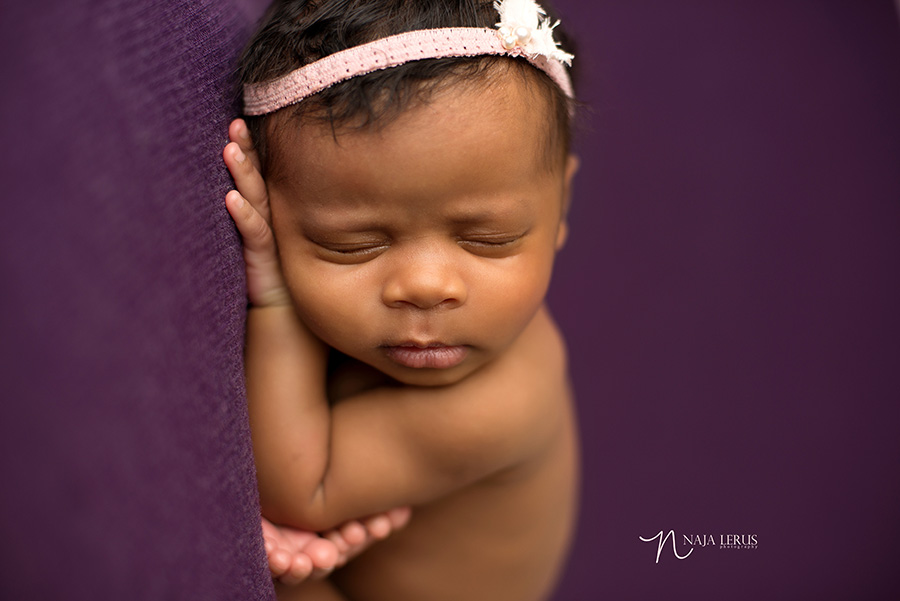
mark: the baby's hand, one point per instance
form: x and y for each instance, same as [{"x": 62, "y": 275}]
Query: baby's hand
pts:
[
  {"x": 249, "y": 207},
  {"x": 296, "y": 555}
]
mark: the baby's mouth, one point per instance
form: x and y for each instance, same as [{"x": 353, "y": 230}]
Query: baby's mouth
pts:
[{"x": 431, "y": 356}]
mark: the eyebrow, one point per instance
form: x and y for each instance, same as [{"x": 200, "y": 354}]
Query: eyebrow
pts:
[
  {"x": 508, "y": 208},
  {"x": 363, "y": 225},
  {"x": 482, "y": 217},
  {"x": 344, "y": 225}
]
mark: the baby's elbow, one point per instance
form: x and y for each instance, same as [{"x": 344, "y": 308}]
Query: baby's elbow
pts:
[
  {"x": 291, "y": 511},
  {"x": 302, "y": 521}
]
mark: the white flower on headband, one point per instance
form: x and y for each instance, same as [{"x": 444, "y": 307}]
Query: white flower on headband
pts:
[{"x": 524, "y": 24}]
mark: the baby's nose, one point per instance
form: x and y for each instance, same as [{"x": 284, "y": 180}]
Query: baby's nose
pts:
[{"x": 426, "y": 279}]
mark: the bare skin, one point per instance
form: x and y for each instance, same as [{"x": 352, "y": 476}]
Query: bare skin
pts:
[
  {"x": 296, "y": 555},
  {"x": 426, "y": 258}
]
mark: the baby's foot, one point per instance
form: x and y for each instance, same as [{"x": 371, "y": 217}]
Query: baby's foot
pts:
[{"x": 297, "y": 555}]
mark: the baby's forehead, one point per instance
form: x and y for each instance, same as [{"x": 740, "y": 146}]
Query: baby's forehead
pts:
[
  {"x": 467, "y": 156},
  {"x": 506, "y": 103},
  {"x": 461, "y": 126}
]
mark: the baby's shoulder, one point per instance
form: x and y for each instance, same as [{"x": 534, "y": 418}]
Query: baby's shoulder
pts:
[
  {"x": 507, "y": 413},
  {"x": 539, "y": 362},
  {"x": 531, "y": 403}
]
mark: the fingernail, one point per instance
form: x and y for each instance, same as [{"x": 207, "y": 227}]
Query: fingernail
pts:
[
  {"x": 239, "y": 155},
  {"x": 244, "y": 133}
]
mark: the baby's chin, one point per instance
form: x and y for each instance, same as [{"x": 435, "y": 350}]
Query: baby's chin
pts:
[{"x": 429, "y": 378}]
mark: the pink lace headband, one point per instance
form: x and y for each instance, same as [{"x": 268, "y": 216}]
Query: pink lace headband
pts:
[{"x": 522, "y": 31}]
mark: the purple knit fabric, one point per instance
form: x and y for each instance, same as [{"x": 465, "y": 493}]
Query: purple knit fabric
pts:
[{"x": 126, "y": 461}]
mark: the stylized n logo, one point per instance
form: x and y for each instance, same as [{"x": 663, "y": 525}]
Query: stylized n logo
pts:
[{"x": 662, "y": 542}]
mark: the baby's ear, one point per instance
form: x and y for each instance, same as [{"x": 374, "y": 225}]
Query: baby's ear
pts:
[{"x": 572, "y": 164}]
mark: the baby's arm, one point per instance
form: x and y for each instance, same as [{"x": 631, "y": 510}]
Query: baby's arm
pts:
[
  {"x": 396, "y": 445},
  {"x": 319, "y": 466},
  {"x": 293, "y": 555}
]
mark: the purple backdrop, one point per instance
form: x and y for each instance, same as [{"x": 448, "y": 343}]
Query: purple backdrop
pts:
[
  {"x": 729, "y": 293},
  {"x": 126, "y": 465}
]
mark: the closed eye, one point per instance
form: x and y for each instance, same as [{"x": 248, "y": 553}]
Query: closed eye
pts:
[
  {"x": 352, "y": 249},
  {"x": 350, "y": 253},
  {"x": 492, "y": 245},
  {"x": 489, "y": 243}
]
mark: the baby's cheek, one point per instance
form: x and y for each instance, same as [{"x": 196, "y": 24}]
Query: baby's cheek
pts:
[
  {"x": 521, "y": 284},
  {"x": 515, "y": 294},
  {"x": 331, "y": 308}
]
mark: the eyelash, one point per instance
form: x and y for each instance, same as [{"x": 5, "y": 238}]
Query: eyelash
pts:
[
  {"x": 362, "y": 252},
  {"x": 491, "y": 243},
  {"x": 354, "y": 250}
]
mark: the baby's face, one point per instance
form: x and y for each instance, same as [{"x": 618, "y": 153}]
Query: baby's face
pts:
[{"x": 422, "y": 249}]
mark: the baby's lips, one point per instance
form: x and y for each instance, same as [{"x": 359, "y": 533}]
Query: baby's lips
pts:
[{"x": 432, "y": 356}]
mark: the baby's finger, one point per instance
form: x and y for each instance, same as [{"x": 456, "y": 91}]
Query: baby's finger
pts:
[
  {"x": 379, "y": 526},
  {"x": 279, "y": 559},
  {"x": 269, "y": 531},
  {"x": 247, "y": 178},
  {"x": 270, "y": 544},
  {"x": 265, "y": 285},
  {"x": 337, "y": 538},
  {"x": 279, "y": 562},
  {"x": 353, "y": 533},
  {"x": 399, "y": 517},
  {"x": 323, "y": 554},
  {"x": 240, "y": 133},
  {"x": 351, "y": 539},
  {"x": 255, "y": 231},
  {"x": 300, "y": 569}
]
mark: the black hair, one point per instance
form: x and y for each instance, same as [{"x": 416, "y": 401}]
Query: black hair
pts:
[{"x": 294, "y": 33}]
